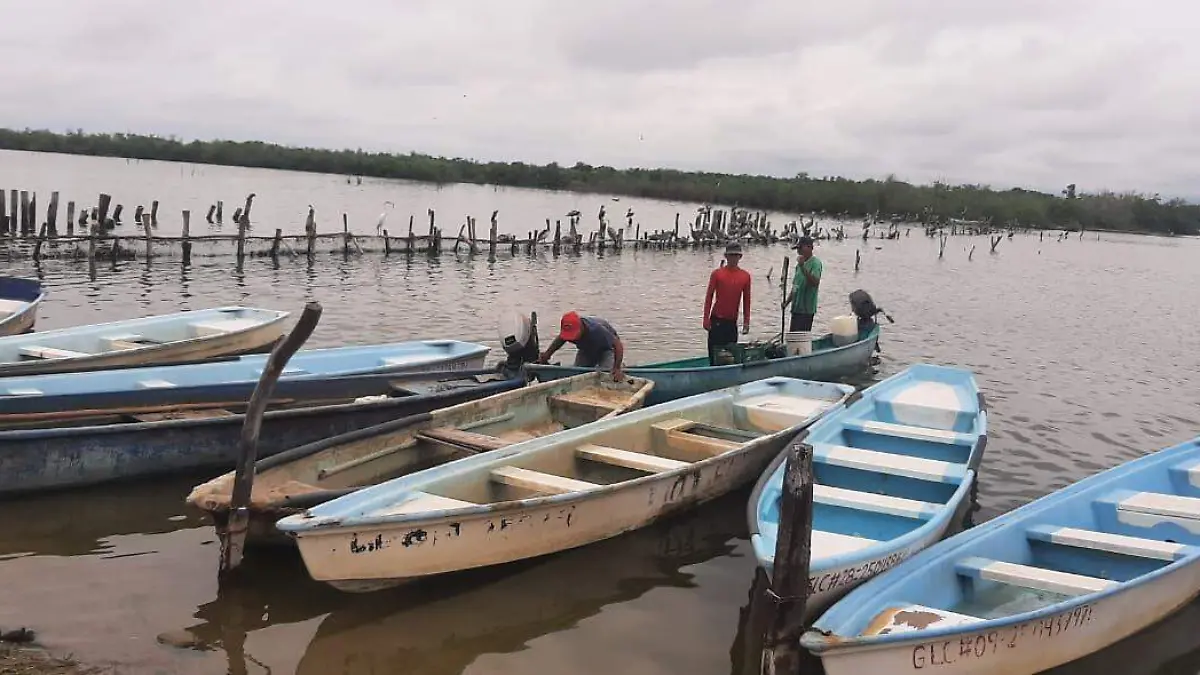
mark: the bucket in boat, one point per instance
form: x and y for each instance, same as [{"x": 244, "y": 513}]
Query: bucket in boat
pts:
[{"x": 798, "y": 343}]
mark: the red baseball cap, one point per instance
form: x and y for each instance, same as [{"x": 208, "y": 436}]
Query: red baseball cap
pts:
[{"x": 571, "y": 327}]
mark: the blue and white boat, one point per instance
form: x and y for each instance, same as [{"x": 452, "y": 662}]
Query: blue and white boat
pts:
[
  {"x": 891, "y": 471},
  {"x": 557, "y": 492},
  {"x": 19, "y": 301},
  {"x": 1061, "y": 577},
  {"x": 168, "y": 338},
  {"x": 232, "y": 379}
]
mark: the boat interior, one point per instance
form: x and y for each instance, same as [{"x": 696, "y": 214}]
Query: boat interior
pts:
[
  {"x": 1113, "y": 534},
  {"x": 16, "y": 294},
  {"x": 395, "y": 449},
  {"x": 672, "y": 439},
  {"x": 100, "y": 339},
  {"x": 885, "y": 466}
]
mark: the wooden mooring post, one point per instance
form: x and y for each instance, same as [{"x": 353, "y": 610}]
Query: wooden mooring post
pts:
[
  {"x": 789, "y": 577},
  {"x": 31, "y": 226},
  {"x": 13, "y": 223},
  {"x": 187, "y": 243},
  {"x": 3, "y": 213},
  {"x": 154, "y": 213},
  {"x": 24, "y": 226},
  {"x": 70, "y": 219},
  {"x": 241, "y": 238},
  {"x": 52, "y": 215},
  {"x": 146, "y": 225},
  {"x": 275, "y": 243},
  {"x": 220, "y": 210},
  {"x": 233, "y": 538}
]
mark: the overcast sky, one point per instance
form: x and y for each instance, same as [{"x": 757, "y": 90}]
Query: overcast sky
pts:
[{"x": 1035, "y": 93}]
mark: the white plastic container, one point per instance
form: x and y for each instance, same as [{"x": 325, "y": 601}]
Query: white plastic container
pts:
[
  {"x": 798, "y": 343},
  {"x": 843, "y": 330}
]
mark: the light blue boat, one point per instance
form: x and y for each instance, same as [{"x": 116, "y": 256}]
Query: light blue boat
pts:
[
  {"x": 19, "y": 301},
  {"x": 891, "y": 470},
  {"x": 1061, "y": 577},
  {"x": 559, "y": 491},
  {"x": 226, "y": 380},
  {"x": 169, "y": 338}
]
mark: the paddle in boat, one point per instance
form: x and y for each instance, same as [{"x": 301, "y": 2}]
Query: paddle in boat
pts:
[
  {"x": 19, "y": 301},
  {"x": 169, "y": 338},
  {"x": 892, "y": 469},
  {"x": 319, "y": 472},
  {"x": 1056, "y": 579},
  {"x": 554, "y": 493},
  {"x": 229, "y": 379},
  {"x": 830, "y": 358}
]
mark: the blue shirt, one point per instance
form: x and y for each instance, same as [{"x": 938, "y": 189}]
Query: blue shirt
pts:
[{"x": 598, "y": 337}]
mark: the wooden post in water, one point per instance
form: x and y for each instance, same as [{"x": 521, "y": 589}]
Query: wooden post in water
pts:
[
  {"x": 241, "y": 237},
  {"x": 33, "y": 224},
  {"x": 557, "y": 236},
  {"x": 187, "y": 243},
  {"x": 220, "y": 209},
  {"x": 116, "y": 216},
  {"x": 387, "y": 244},
  {"x": 412, "y": 242},
  {"x": 237, "y": 215},
  {"x": 3, "y": 214},
  {"x": 154, "y": 213},
  {"x": 211, "y": 210},
  {"x": 37, "y": 246},
  {"x": 793, "y": 547},
  {"x": 24, "y": 222},
  {"x": 102, "y": 213},
  {"x": 858, "y": 258},
  {"x": 492, "y": 237},
  {"x": 458, "y": 240},
  {"x": 146, "y": 224},
  {"x": 13, "y": 223},
  {"x": 137, "y": 214},
  {"x": 345, "y": 235},
  {"x": 275, "y": 243},
  {"x": 233, "y": 539},
  {"x": 52, "y": 215},
  {"x": 246, "y": 209},
  {"x": 70, "y": 219}
]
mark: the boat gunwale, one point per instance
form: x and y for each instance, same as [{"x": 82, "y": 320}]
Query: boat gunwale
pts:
[
  {"x": 822, "y": 641},
  {"x": 31, "y": 307},
  {"x": 306, "y": 527}
]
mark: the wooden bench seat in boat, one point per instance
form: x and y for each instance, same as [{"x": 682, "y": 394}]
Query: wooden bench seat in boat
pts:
[
  {"x": 825, "y": 543},
  {"x": 934, "y": 405},
  {"x": 1109, "y": 543},
  {"x": 538, "y": 481},
  {"x": 775, "y": 412},
  {"x": 581, "y": 404},
  {"x": 213, "y": 327},
  {"x": 125, "y": 341},
  {"x": 889, "y": 463},
  {"x": 1126, "y": 508},
  {"x": 1187, "y": 476},
  {"x": 1034, "y": 578},
  {"x": 421, "y": 502},
  {"x": 38, "y": 352},
  {"x": 460, "y": 438},
  {"x": 910, "y": 432},
  {"x": 875, "y": 503},
  {"x": 628, "y": 459},
  {"x": 901, "y": 620},
  {"x": 698, "y": 439}
]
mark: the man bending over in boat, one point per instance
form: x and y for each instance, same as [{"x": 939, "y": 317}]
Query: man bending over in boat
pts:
[{"x": 596, "y": 342}]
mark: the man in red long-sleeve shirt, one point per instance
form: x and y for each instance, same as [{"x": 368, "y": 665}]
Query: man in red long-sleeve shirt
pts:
[{"x": 730, "y": 284}]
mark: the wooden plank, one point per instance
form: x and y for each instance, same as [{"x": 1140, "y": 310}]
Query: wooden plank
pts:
[
  {"x": 538, "y": 481},
  {"x": 629, "y": 459},
  {"x": 1109, "y": 542},
  {"x": 1035, "y": 578},
  {"x": 204, "y": 414},
  {"x": 469, "y": 439}
]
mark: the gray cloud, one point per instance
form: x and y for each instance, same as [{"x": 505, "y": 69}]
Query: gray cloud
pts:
[{"x": 1017, "y": 92}]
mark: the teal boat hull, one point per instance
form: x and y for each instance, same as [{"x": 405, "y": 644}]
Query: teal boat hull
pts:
[{"x": 678, "y": 379}]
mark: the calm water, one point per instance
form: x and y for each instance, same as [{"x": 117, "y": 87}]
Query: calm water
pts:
[{"x": 1080, "y": 347}]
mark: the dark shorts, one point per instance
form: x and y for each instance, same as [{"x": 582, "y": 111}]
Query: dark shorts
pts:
[
  {"x": 801, "y": 322},
  {"x": 721, "y": 332},
  {"x": 603, "y": 360}
]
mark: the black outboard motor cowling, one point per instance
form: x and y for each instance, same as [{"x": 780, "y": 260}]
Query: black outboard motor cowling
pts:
[{"x": 864, "y": 308}]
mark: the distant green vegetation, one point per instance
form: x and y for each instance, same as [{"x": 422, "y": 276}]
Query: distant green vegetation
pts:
[{"x": 801, "y": 194}]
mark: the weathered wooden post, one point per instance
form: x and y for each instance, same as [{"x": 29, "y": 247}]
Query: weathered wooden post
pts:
[
  {"x": 13, "y": 223},
  {"x": 387, "y": 244},
  {"x": 32, "y": 225},
  {"x": 102, "y": 213},
  {"x": 275, "y": 243},
  {"x": 52, "y": 215},
  {"x": 37, "y": 246},
  {"x": 237, "y": 215},
  {"x": 137, "y": 214},
  {"x": 241, "y": 240},
  {"x": 154, "y": 213},
  {"x": 24, "y": 226},
  {"x": 412, "y": 242},
  {"x": 70, "y": 218},
  {"x": 459, "y": 239},
  {"x": 557, "y": 236},
  {"x": 212, "y": 208},
  {"x": 187, "y": 242},
  {"x": 310, "y": 233},
  {"x": 233, "y": 538},
  {"x": 3, "y": 214},
  {"x": 146, "y": 231},
  {"x": 492, "y": 237},
  {"x": 116, "y": 216},
  {"x": 220, "y": 209},
  {"x": 431, "y": 218},
  {"x": 246, "y": 210},
  {"x": 857, "y": 258},
  {"x": 345, "y": 235},
  {"x": 789, "y": 578}
]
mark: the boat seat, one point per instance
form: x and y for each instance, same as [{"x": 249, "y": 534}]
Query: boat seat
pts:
[
  {"x": 1109, "y": 543},
  {"x": 155, "y": 384},
  {"x": 910, "y": 432},
  {"x": 10, "y": 307},
  {"x": 1187, "y": 475},
  {"x": 538, "y": 481},
  {"x": 913, "y": 618},
  {"x": 875, "y": 503},
  {"x": 892, "y": 464},
  {"x": 776, "y": 412},
  {"x": 460, "y": 438},
  {"x": 420, "y": 502},
  {"x": 1034, "y": 578},
  {"x": 124, "y": 341},
  {"x": 213, "y": 327},
  {"x": 581, "y": 404},
  {"x": 934, "y": 405},
  {"x": 1148, "y": 509},
  {"x": 37, "y": 352},
  {"x": 835, "y": 544},
  {"x": 628, "y": 459},
  {"x": 676, "y": 435}
]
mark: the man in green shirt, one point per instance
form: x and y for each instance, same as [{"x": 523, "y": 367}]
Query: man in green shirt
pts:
[{"x": 803, "y": 297}]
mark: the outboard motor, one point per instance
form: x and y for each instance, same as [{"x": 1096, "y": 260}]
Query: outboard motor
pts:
[
  {"x": 865, "y": 309},
  {"x": 518, "y": 336}
]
